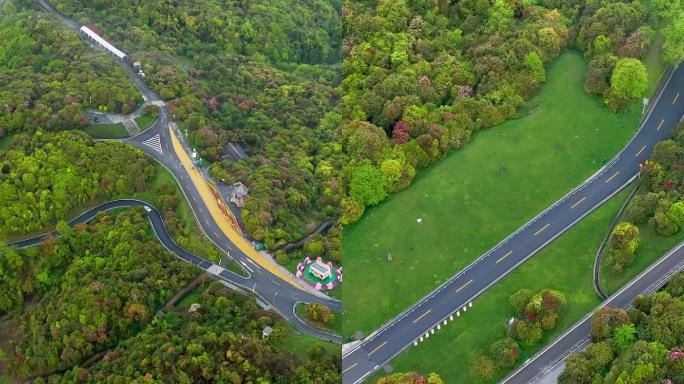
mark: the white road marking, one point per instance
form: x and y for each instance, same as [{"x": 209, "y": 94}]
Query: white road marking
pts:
[
  {"x": 504, "y": 256},
  {"x": 542, "y": 229},
  {"x": 578, "y": 202},
  {"x": 417, "y": 319},
  {"x": 154, "y": 142},
  {"x": 378, "y": 347}
]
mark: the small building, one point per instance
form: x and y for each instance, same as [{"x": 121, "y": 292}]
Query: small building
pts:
[
  {"x": 266, "y": 332},
  {"x": 238, "y": 194},
  {"x": 320, "y": 270},
  {"x": 233, "y": 152},
  {"x": 97, "y": 39}
]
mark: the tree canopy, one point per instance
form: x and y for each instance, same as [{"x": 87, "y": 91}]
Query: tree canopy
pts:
[
  {"x": 48, "y": 75},
  {"x": 641, "y": 345}
]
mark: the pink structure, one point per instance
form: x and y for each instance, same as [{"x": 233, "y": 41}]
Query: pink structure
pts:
[
  {"x": 318, "y": 286},
  {"x": 329, "y": 285},
  {"x": 329, "y": 263},
  {"x": 319, "y": 259},
  {"x": 307, "y": 260},
  {"x": 299, "y": 274}
]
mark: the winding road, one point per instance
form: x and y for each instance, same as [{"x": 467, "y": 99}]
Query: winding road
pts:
[
  {"x": 270, "y": 284},
  {"x": 456, "y": 295}
]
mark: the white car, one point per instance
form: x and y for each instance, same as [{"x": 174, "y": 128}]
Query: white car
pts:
[{"x": 148, "y": 209}]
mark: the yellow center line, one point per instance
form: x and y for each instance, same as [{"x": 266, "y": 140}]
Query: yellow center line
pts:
[
  {"x": 675, "y": 99},
  {"x": 504, "y": 256},
  {"x": 661, "y": 124},
  {"x": 378, "y": 347},
  {"x": 542, "y": 230},
  {"x": 579, "y": 202},
  {"x": 350, "y": 367},
  {"x": 421, "y": 316},
  {"x": 215, "y": 213},
  {"x": 641, "y": 150},
  {"x": 464, "y": 285},
  {"x": 611, "y": 178}
]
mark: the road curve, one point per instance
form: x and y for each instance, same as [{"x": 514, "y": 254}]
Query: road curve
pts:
[
  {"x": 157, "y": 143},
  {"x": 157, "y": 222},
  {"x": 579, "y": 335},
  {"x": 458, "y": 292}
]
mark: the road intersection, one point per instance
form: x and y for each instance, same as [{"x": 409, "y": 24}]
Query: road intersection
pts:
[{"x": 269, "y": 282}]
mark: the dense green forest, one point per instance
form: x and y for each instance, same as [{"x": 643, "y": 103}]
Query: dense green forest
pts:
[
  {"x": 641, "y": 345},
  {"x": 98, "y": 289},
  {"x": 48, "y": 75},
  {"x": 219, "y": 342},
  {"x": 97, "y": 284},
  {"x": 44, "y": 176},
  {"x": 260, "y": 74},
  {"x": 420, "y": 77}
]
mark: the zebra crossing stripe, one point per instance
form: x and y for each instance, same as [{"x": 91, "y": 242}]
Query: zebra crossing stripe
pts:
[{"x": 154, "y": 142}]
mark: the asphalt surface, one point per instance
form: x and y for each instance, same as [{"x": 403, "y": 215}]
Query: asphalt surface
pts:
[
  {"x": 458, "y": 292},
  {"x": 156, "y": 142},
  {"x": 548, "y": 363}
]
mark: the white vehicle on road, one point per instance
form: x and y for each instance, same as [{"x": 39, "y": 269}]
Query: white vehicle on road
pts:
[{"x": 148, "y": 209}]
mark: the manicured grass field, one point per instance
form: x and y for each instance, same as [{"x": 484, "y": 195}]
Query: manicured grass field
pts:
[
  {"x": 300, "y": 343},
  {"x": 106, "y": 131},
  {"x": 565, "y": 265},
  {"x": 475, "y": 197},
  {"x": 144, "y": 122}
]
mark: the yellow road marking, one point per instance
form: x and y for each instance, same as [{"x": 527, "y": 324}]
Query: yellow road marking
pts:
[
  {"x": 675, "y": 99},
  {"x": 542, "y": 230},
  {"x": 421, "y": 316},
  {"x": 641, "y": 150},
  {"x": 378, "y": 347},
  {"x": 579, "y": 202},
  {"x": 350, "y": 367},
  {"x": 464, "y": 285},
  {"x": 504, "y": 256},
  {"x": 224, "y": 225},
  {"x": 661, "y": 124},
  {"x": 611, "y": 178}
]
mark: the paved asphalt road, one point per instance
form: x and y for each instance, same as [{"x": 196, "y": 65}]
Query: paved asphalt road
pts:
[
  {"x": 246, "y": 283},
  {"x": 155, "y": 141},
  {"x": 361, "y": 361},
  {"x": 550, "y": 359}
]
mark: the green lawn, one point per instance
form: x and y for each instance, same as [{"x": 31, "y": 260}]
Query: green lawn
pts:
[
  {"x": 299, "y": 343},
  {"x": 144, "y": 122},
  {"x": 106, "y": 131},
  {"x": 654, "y": 62},
  {"x": 477, "y": 196},
  {"x": 564, "y": 265}
]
